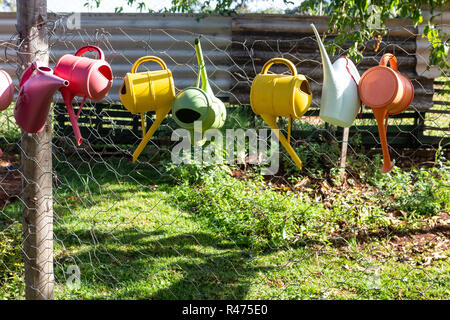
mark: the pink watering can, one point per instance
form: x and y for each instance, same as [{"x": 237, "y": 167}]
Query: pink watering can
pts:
[
  {"x": 6, "y": 93},
  {"x": 35, "y": 96},
  {"x": 88, "y": 78},
  {"x": 6, "y": 90}
]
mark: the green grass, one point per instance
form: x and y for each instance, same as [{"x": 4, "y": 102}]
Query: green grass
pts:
[
  {"x": 9, "y": 129},
  {"x": 193, "y": 232}
]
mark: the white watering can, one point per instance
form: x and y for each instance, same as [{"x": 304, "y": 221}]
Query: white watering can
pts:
[{"x": 340, "y": 101}]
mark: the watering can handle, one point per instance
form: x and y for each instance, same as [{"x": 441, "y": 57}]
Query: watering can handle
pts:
[
  {"x": 28, "y": 72},
  {"x": 273, "y": 61},
  {"x": 148, "y": 58},
  {"x": 87, "y": 48},
  {"x": 389, "y": 57}
]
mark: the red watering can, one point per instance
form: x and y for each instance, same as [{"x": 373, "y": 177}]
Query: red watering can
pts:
[
  {"x": 35, "y": 96},
  {"x": 88, "y": 78},
  {"x": 6, "y": 90},
  {"x": 387, "y": 92}
]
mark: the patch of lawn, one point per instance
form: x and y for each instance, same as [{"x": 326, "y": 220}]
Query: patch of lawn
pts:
[{"x": 138, "y": 233}]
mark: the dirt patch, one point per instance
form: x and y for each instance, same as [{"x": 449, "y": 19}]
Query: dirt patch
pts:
[
  {"x": 421, "y": 241},
  {"x": 10, "y": 180},
  {"x": 420, "y": 246},
  {"x": 436, "y": 237}
]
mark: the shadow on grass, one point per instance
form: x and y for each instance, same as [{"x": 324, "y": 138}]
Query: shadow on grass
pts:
[{"x": 153, "y": 265}]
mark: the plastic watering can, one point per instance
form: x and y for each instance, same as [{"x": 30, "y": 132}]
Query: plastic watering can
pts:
[
  {"x": 340, "y": 101},
  {"x": 6, "y": 90},
  {"x": 387, "y": 92},
  {"x": 148, "y": 91},
  {"x": 37, "y": 87},
  {"x": 277, "y": 95},
  {"x": 88, "y": 78},
  {"x": 6, "y": 93},
  {"x": 198, "y": 103}
]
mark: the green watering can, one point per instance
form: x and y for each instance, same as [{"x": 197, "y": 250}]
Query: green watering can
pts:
[{"x": 198, "y": 104}]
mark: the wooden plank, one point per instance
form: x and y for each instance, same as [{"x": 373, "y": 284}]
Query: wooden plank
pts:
[
  {"x": 436, "y": 128},
  {"x": 344, "y": 153},
  {"x": 442, "y": 103}
]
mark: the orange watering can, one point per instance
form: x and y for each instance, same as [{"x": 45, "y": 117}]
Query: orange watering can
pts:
[
  {"x": 37, "y": 87},
  {"x": 148, "y": 91},
  {"x": 387, "y": 92},
  {"x": 88, "y": 78},
  {"x": 277, "y": 95}
]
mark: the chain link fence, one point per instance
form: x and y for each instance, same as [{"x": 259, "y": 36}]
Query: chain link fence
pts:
[{"x": 158, "y": 230}]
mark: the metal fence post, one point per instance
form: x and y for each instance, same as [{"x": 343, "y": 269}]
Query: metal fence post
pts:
[{"x": 36, "y": 163}]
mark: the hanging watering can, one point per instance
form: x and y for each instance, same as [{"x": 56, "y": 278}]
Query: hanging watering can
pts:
[
  {"x": 387, "y": 92},
  {"x": 148, "y": 91},
  {"x": 35, "y": 96},
  {"x": 6, "y": 93},
  {"x": 198, "y": 103},
  {"x": 340, "y": 101},
  {"x": 6, "y": 90},
  {"x": 88, "y": 78},
  {"x": 277, "y": 95}
]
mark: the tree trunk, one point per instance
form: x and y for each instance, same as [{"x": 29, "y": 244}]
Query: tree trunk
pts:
[{"x": 36, "y": 162}]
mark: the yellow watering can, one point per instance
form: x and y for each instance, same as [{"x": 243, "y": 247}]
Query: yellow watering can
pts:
[
  {"x": 148, "y": 91},
  {"x": 277, "y": 95}
]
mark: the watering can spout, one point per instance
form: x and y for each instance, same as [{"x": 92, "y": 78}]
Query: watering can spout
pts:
[
  {"x": 68, "y": 98},
  {"x": 52, "y": 84},
  {"x": 203, "y": 76},
  {"x": 56, "y": 83},
  {"x": 381, "y": 117},
  {"x": 272, "y": 122},
  {"x": 328, "y": 74},
  {"x": 48, "y": 84},
  {"x": 159, "y": 117}
]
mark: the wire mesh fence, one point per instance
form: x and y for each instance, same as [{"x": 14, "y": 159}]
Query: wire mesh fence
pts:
[{"x": 158, "y": 230}]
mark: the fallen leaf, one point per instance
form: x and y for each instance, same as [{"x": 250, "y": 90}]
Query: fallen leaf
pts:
[{"x": 304, "y": 183}]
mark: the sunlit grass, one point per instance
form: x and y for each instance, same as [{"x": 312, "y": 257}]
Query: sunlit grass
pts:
[{"x": 132, "y": 240}]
